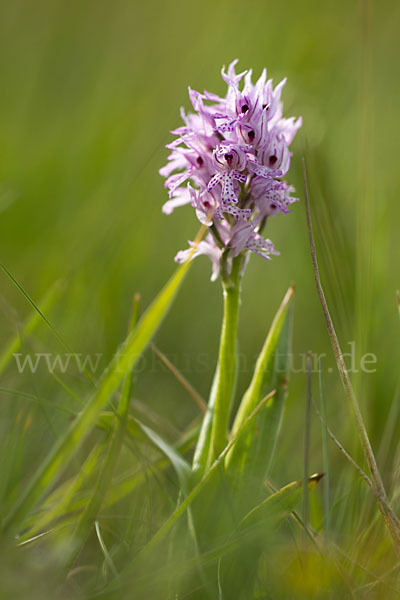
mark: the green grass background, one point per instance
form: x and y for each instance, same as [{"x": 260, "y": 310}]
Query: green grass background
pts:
[{"x": 89, "y": 93}]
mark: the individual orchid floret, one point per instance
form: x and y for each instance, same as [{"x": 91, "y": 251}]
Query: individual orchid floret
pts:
[
  {"x": 207, "y": 247},
  {"x": 229, "y": 157},
  {"x": 271, "y": 196},
  {"x": 206, "y": 205},
  {"x": 180, "y": 198},
  {"x": 228, "y": 160},
  {"x": 245, "y": 237},
  {"x": 276, "y": 155},
  {"x": 263, "y": 247}
]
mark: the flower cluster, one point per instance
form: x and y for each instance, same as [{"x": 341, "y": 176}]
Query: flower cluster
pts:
[{"x": 228, "y": 161}]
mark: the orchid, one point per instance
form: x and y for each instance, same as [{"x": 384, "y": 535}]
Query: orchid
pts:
[
  {"x": 164, "y": 437},
  {"x": 228, "y": 161}
]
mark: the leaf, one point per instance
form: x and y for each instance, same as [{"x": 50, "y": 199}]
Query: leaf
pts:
[
  {"x": 239, "y": 569},
  {"x": 199, "y": 487},
  {"x": 138, "y": 430},
  {"x": 60, "y": 502},
  {"x": 251, "y": 457},
  {"x": 281, "y": 503},
  {"x": 126, "y": 357},
  {"x": 107, "y": 419},
  {"x": 182, "y": 468},
  {"x": 118, "y": 428},
  {"x": 67, "y": 497}
]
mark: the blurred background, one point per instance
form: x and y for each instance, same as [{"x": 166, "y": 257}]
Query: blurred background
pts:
[{"x": 90, "y": 91}]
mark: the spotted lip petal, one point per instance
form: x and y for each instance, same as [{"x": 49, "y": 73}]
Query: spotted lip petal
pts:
[
  {"x": 263, "y": 171},
  {"x": 228, "y": 160},
  {"x": 272, "y": 196}
]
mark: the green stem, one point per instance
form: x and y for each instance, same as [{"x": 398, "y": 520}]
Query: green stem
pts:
[{"x": 213, "y": 435}]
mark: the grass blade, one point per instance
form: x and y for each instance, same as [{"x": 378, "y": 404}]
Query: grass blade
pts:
[
  {"x": 255, "y": 530},
  {"x": 117, "y": 491},
  {"x": 182, "y": 468},
  {"x": 181, "y": 378},
  {"x": 89, "y": 515},
  {"x": 60, "y": 502},
  {"x": 44, "y": 305},
  {"x": 107, "y": 557},
  {"x": 307, "y": 430},
  {"x": 34, "y": 305},
  {"x": 325, "y": 455},
  {"x": 378, "y": 489},
  {"x": 122, "y": 363},
  {"x": 282, "y": 502},
  {"x": 181, "y": 509}
]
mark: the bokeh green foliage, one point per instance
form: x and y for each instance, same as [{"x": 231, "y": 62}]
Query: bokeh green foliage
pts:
[{"x": 89, "y": 92}]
